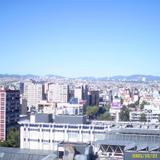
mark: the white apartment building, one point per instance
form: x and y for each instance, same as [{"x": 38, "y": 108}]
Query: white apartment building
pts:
[
  {"x": 151, "y": 112},
  {"x": 60, "y": 108},
  {"x": 78, "y": 92},
  {"x": 47, "y": 107},
  {"x": 70, "y": 109},
  {"x": 58, "y": 93},
  {"x": 33, "y": 94},
  {"x": 115, "y": 108}
]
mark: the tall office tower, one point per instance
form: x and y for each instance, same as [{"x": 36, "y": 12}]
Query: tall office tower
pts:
[
  {"x": 93, "y": 98},
  {"x": 33, "y": 94},
  {"x": 9, "y": 110},
  {"x": 85, "y": 93},
  {"x": 21, "y": 88},
  {"x": 58, "y": 93}
]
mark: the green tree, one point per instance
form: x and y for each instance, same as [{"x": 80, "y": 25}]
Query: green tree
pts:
[
  {"x": 107, "y": 107},
  {"x": 4, "y": 144},
  {"x": 105, "y": 116},
  {"x": 101, "y": 110},
  {"x": 91, "y": 111},
  {"x": 132, "y": 105},
  {"x": 12, "y": 138},
  {"x": 159, "y": 118},
  {"x": 122, "y": 101},
  {"x": 137, "y": 103},
  {"x": 143, "y": 104},
  {"x": 124, "y": 114},
  {"x": 143, "y": 117}
]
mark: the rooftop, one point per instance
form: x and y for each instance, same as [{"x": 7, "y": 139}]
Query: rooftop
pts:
[{"x": 25, "y": 154}]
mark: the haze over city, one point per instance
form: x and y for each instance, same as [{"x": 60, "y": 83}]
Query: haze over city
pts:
[
  {"x": 80, "y": 38},
  {"x": 79, "y": 79}
]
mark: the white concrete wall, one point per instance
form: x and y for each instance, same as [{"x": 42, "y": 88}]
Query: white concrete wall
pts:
[{"x": 40, "y": 137}]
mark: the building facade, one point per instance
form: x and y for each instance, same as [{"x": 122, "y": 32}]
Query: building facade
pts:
[
  {"x": 78, "y": 93},
  {"x": 109, "y": 139},
  {"x": 151, "y": 114},
  {"x": 93, "y": 98},
  {"x": 46, "y": 135},
  {"x": 9, "y": 110},
  {"x": 33, "y": 94},
  {"x": 70, "y": 109},
  {"x": 58, "y": 93}
]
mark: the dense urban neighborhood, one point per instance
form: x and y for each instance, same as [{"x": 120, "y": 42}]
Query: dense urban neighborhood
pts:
[{"x": 84, "y": 117}]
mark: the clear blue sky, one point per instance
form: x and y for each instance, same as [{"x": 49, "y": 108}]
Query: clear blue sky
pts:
[{"x": 80, "y": 37}]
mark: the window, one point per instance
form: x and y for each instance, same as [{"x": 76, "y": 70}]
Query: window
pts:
[
  {"x": 45, "y": 125},
  {"x": 2, "y": 99},
  {"x": 73, "y": 127},
  {"x": 58, "y": 126},
  {"x": 73, "y": 131},
  {"x": 45, "y": 130},
  {"x": 101, "y": 128},
  {"x": 33, "y": 125},
  {"x": 85, "y": 131},
  {"x": 47, "y": 141},
  {"x": 33, "y": 140},
  {"x": 2, "y": 94},
  {"x": 85, "y": 127},
  {"x": 33, "y": 129}
]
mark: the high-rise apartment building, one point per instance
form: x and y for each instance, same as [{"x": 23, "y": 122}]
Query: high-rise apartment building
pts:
[
  {"x": 81, "y": 93},
  {"x": 33, "y": 94},
  {"x": 78, "y": 92},
  {"x": 58, "y": 93},
  {"x": 9, "y": 110}
]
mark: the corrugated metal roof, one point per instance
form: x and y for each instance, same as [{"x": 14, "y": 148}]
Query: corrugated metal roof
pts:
[
  {"x": 22, "y": 154},
  {"x": 141, "y": 147},
  {"x": 130, "y": 146},
  {"x": 139, "y": 131},
  {"x": 153, "y": 147},
  {"x": 111, "y": 142}
]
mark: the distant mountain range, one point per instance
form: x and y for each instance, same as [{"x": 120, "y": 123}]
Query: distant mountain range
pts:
[
  {"x": 27, "y": 76},
  {"x": 137, "y": 78},
  {"x": 16, "y": 75},
  {"x": 115, "y": 78},
  {"x": 126, "y": 78}
]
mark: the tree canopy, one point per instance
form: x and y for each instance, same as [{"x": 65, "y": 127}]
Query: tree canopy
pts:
[
  {"x": 91, "y": 111},
  {"x": 106, "y": 116},
  {"x": 143, "y": 104},
  {"x": 124, "y": 114},
  {"x": 143, "y": 118},
  {"x": 12, "y": 138}
]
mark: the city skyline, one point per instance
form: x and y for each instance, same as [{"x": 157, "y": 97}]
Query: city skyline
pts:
[{"x": 80, "y": 38}]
